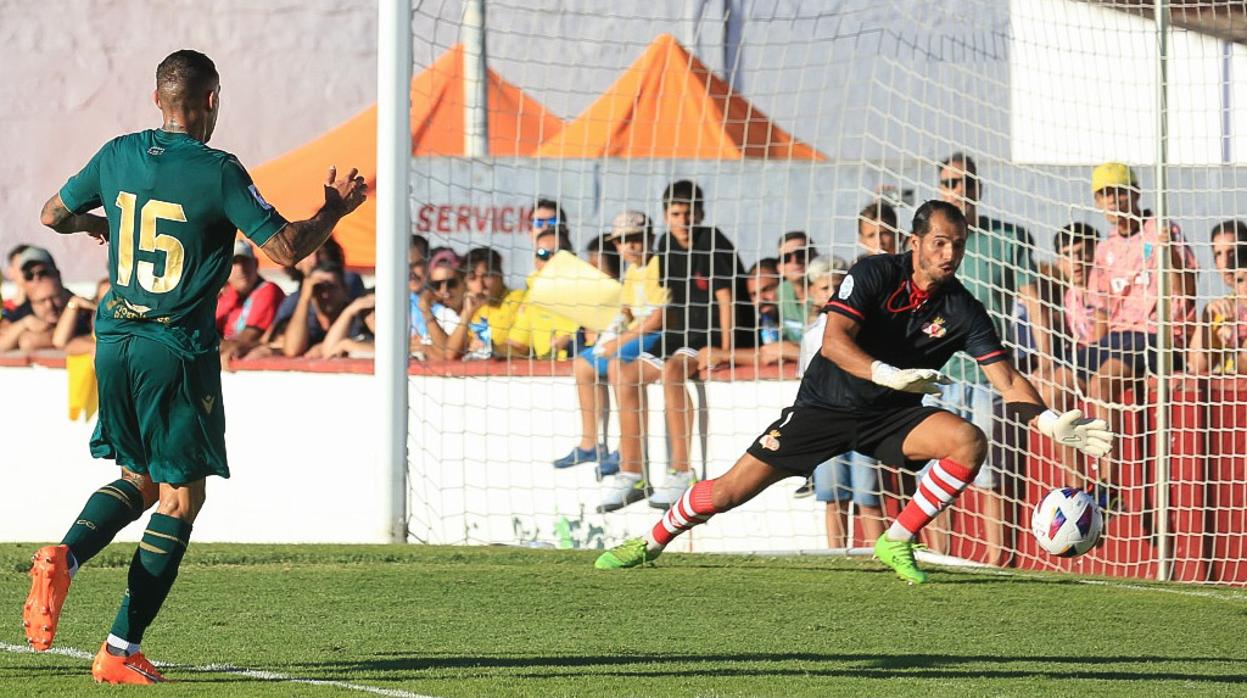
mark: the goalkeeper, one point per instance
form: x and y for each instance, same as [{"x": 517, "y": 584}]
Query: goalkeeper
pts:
[{"x": 896, "y": 319}]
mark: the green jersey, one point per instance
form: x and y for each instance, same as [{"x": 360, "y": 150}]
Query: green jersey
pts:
[
  {"x": 173, "y": 206},
  {"x": 997, "y": 262}
]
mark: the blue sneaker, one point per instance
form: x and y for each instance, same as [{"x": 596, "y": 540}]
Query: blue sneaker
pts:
[
  {"x": 577, "y": 456},
  {"x": 608, "y": 464}
]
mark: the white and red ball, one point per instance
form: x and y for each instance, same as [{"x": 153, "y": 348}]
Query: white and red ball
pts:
[{"x": 1067, "y": 523}]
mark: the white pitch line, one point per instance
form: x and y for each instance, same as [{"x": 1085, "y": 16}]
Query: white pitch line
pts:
[{"x": 231, "y": 669}]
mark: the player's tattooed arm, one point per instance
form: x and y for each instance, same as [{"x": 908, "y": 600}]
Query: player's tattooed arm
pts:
[
  {"x": 299, "y": 239},
  {"x": 64, "y": 221}
]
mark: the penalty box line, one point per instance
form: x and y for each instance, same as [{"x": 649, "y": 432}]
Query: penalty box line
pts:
[{"x": 257, "y": 674}]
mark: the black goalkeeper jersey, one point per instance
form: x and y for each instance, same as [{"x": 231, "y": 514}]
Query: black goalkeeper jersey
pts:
[{"x": 900, "y": 325}]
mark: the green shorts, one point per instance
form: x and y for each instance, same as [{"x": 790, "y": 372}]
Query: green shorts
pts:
[{"x": 160, "y": 414}]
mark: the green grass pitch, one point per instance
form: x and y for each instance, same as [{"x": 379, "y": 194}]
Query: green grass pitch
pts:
[{"x": 487, "y": 621}]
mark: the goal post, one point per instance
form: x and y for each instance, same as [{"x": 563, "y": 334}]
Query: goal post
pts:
[{"x": 800, "y": 118}]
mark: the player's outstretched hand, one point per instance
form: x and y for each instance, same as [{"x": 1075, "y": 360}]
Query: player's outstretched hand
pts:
[
  {"x": 926, "y": 381},
  {"x": 345, "y": 195},
  {"x": 1091, "y": 436}
]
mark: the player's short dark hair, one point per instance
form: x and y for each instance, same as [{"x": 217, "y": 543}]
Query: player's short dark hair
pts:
[
  {"x": 683, "y": 191},
  {"x": 879, "y": 212},
  {"x": 795, "y": 235},
  {"x": 966, "y": 164},
  {"x": 185, "y": 73},
  {"x": 1235, "y": 227},
  {"x": 927, "y": 211},
  {"x": 1074, "y": 233},
  {"x": 17, "y": 249},
  {"x": 488, "y": 255},
  {"x": 768, "y": 266}
]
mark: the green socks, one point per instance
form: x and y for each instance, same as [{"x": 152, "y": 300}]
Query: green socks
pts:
[
  {"x": 152, "y": 571},
  {"x": 110, "y": 509}
]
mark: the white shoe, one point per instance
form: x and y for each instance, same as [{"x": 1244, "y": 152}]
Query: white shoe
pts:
[
  {"x": 620, "y": 490},
  {"x": 670, "y": 490}
]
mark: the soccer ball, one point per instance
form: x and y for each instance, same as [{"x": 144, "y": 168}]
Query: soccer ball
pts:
[{"x": 1067, "y": 523}]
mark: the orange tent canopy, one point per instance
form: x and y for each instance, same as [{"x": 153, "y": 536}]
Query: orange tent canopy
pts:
[
  {"x": 670, "y": 105},
  {"x": 517, "y": 124}
]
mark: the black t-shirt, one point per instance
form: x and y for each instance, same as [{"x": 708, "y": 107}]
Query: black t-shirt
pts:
[
  {"x": 901, "y": 327},
  {"x": 693, "y": 275}
]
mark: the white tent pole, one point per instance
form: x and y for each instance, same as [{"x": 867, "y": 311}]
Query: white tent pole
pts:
[
  {"x": 475, "y": 94},
  {"x": 393, "y": 229}
]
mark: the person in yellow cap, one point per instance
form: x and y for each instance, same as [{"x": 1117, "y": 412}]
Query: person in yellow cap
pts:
[{"x": 1123, "y": 285}]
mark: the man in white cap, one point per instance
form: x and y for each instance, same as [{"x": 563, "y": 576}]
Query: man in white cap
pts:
[{"x": 247, "y": 305}]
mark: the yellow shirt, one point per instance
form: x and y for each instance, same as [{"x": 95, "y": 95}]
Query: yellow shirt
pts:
[
  {"x": 642, "y": 291},
  {"x": 501, "y": 316},
  {"x": 537, "y": 328}
]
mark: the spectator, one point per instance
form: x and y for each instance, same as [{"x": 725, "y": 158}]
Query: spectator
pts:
[
  {"x": 701, "y": 271},
  {"x": 1057, "y": 321},
  {"x": 359, "y": 317},
  {"x": 548, "y": 215},
  {"x": 322, "y": 298},
  {"x": 495, "y": 306},
  {"x": 636, "y": 332},
  {"x": 75, "y": 330},
  {"x": 247, "y": 305},
  {"x": 1124, "y": 287},
  {"x": 1062, "y": 318},
  {"x": 418, "y": 250},
  {"x": 442, "y": 306},
  {"x": 851, "y": 477},
  {"x": 47, "y": 299},
  {"x": 1227, "y": 238},
  {"x": 795, "y": 252},
  {"x": 538, "y": 332},
  {"x": 1219, "y": 346},
  {"x": 876, "y": 229},
  {"x": 997, "y": 263},
  {"x": 762, "y": 343},
  {"x": 601, "y": 253},
  {"x": 26, "y": 267},
  {"x": 329, "y": 253},
  {"x": 14, "y": 273}
]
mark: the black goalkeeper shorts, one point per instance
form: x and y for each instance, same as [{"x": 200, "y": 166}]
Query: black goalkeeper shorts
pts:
[{"x": 804, "y": 437}]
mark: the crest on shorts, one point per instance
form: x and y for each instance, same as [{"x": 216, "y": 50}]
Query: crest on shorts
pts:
[
  {"x": 770, "y": 440},
  {"x": 936, "y": 328}
]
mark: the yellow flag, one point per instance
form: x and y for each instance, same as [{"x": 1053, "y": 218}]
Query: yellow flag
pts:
[
  {"x": 84, "y": 396},
  {"x": 577, "y": 290}
]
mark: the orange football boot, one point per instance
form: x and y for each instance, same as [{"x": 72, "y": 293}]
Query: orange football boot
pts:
[
  {"x": 49, "y": 583},
  {"x": 135, "y": 669}
]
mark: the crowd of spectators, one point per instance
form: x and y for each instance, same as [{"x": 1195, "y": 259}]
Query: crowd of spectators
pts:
[{"x": 1084, "y": 326}]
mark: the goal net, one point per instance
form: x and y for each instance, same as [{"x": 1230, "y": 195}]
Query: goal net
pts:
[{"x": 826, "y": 120}]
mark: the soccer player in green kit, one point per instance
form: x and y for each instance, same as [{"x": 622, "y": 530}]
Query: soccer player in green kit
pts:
[{"x": 172, "y": 206}]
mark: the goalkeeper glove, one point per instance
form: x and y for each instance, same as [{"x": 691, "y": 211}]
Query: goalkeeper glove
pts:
[
  {"x": 909, "y": 380},
  {"x": 1091, "y": 436}
]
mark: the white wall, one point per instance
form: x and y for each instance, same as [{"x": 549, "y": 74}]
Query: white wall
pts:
[
  {"x": 1083, "y": 80},
  {"x": 301, "y": 458},
  {"x": 304, "y": 467}
]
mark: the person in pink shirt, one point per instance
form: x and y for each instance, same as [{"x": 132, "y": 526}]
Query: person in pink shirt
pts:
[
  {"x": 246, "y": 306},
  {"x": 1124, "y": 286}
]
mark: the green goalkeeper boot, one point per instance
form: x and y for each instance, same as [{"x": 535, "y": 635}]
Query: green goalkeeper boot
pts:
[
  {"x": 899, "y": 555},
  {"x": 630, "y": 553}
]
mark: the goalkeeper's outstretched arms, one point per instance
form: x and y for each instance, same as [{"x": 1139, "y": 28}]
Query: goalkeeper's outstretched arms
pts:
[
  {"x": 1091, "y": 436},
  {"x": 298, "y": 239},
  {"x": 840, "y": 347}
]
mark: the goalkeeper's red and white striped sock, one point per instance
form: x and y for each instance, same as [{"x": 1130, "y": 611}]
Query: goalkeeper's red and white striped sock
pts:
[
  {"x": 692, "y": 508},
  {"x": 943, "y": 483}
]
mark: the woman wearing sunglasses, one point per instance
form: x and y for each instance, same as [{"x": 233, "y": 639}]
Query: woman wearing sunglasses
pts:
[{"x": 442, "y": 306}]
